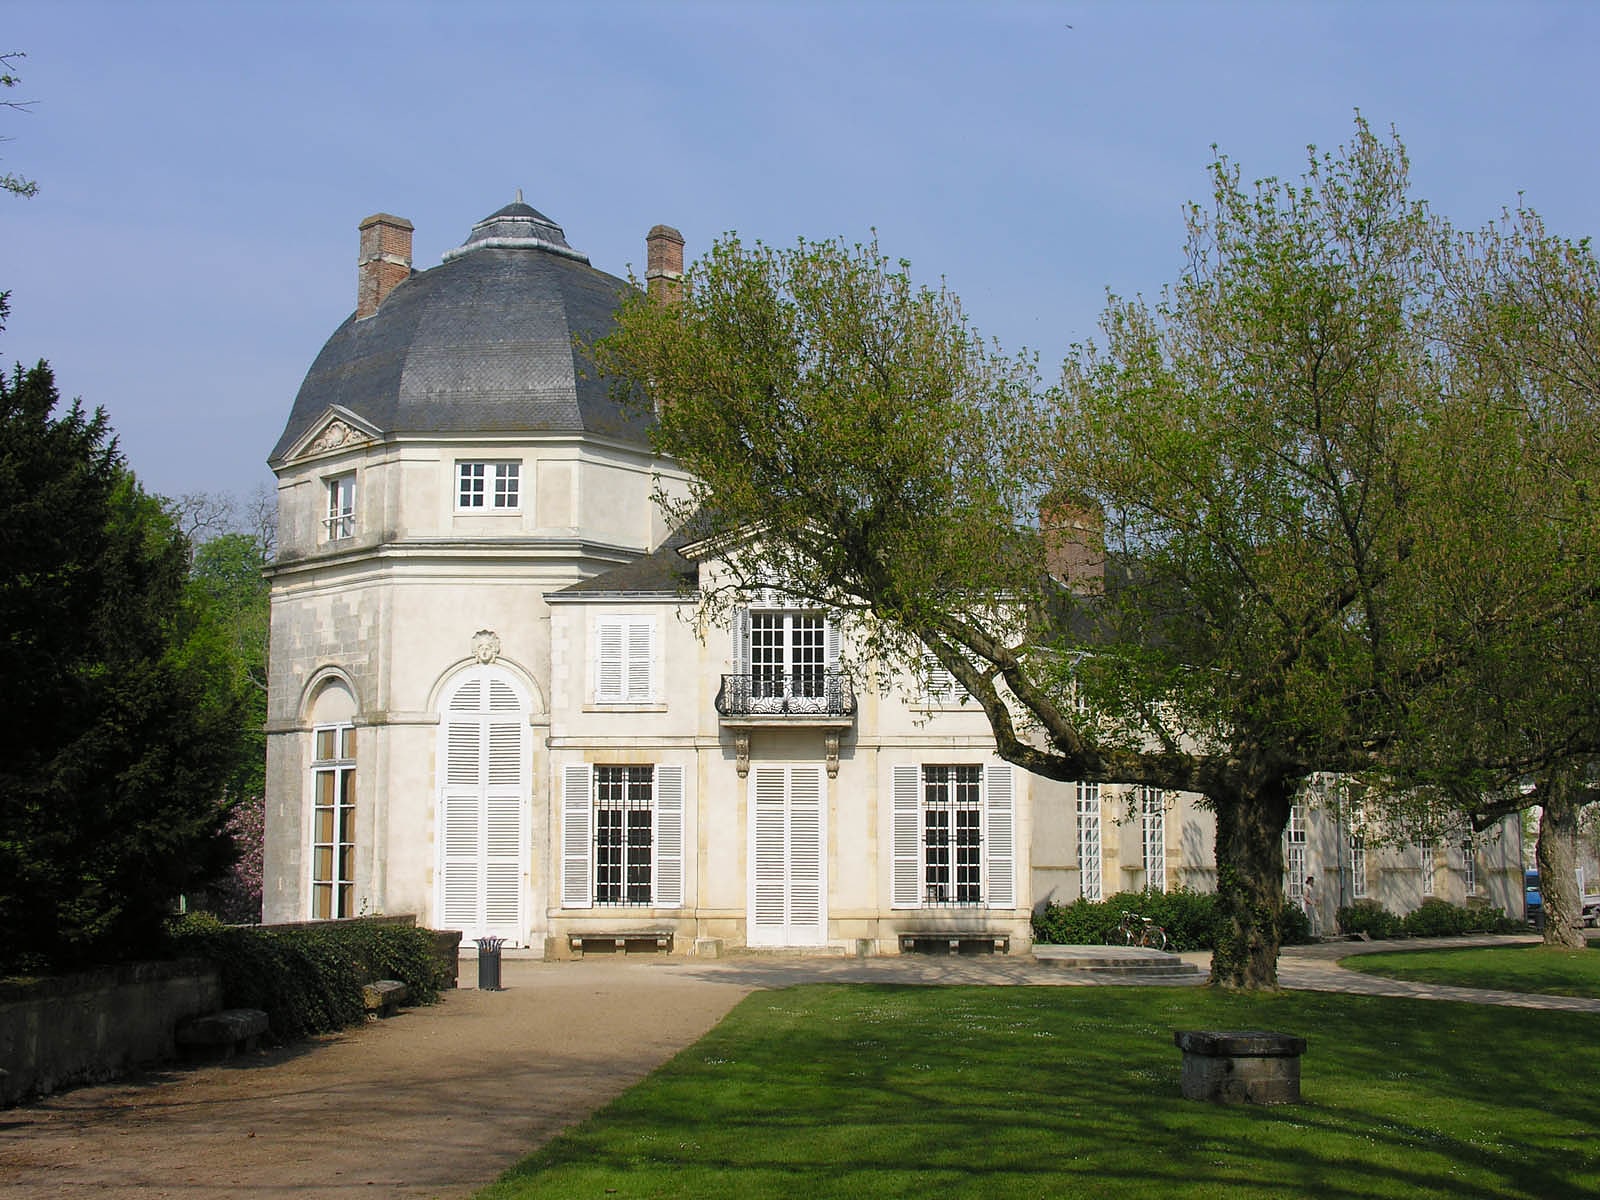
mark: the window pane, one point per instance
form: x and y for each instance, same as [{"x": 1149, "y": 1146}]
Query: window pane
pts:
[
  {"x": 326, "y": 783},
  {"x": 323, "y": 863},
  {"x": 347, "y": 736},
  {"x": 324, "y": 826},
  {"x": 324, "y": 750},
  {"x": 347, "y": 824},
  {"x": 322, "y": 901}
]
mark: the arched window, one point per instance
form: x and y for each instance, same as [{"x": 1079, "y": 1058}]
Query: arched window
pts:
[
  {"x": 333, "y": 802},
  {"x": 482, "y": 797}
]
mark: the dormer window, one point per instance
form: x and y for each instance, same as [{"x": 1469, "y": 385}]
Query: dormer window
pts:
[
  {"x": 488, "y": 485},
  {"x": 341, "y": 519}
]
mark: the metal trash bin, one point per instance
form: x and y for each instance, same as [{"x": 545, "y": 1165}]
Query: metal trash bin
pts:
[{"x": 489, "y": 964}]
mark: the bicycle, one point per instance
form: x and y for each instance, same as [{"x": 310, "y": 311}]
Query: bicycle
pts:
[{"x": 1135, "y": 930}]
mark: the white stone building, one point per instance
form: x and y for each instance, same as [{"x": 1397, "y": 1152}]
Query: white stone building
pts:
[{"x": 491, "y": 704}]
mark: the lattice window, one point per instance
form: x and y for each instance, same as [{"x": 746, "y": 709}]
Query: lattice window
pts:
[
  {"x": 952, "y": 837},
  {"x": 1294, "y": 854},
  {"x": 1425, "y": 859},
  {"x": 333, "y": 821},
  {"x": 624, "y": 834},
  {"x": 341, "y": 519},
  {"x": 1469, "y": 867},
  {"x": 488, "y": 485},
  {"x": 1090, "y": 863},
  {"x": 1153, "y": 836}
]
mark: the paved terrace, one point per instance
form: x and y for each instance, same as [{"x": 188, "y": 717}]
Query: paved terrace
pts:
[{"x": 437, "y": 1101}]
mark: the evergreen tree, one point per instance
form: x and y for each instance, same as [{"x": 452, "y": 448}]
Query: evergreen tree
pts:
[{"x": 119, "y": 719}]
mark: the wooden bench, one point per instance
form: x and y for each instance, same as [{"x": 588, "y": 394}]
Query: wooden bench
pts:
[
  {"x": 945, "y": 941},
  {"x": 626, "y": 942},
  {"x": 222, "y": 1033},
  {"x": 1249, "y": 1067},
  {"x": 382, "y": 997}
]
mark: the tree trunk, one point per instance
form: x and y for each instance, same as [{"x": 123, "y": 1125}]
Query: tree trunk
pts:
[
  {"x": 1557, "y": 856},
  {"x": 1250, "y": 824}
]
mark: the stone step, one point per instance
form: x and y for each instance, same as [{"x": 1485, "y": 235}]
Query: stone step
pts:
[{"x": 1121, "y": 962}]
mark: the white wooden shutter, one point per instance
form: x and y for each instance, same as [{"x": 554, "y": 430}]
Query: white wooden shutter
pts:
[
  {"x": 832, "y": 644},
  {"x": 806, "y": 853},
  {"x": 769, "y": 852},
  {"x": 576, "y": 814},
  {"x": 502, "y": 821},
  {"x": 741, "y": 641},
  {"x": 907, "y": 833},
  {"x": 999, "y": 846},
  {"x": 608, "y": 662},
  {"x": 641, "y": 651},
  {"x": 669, "y": 837},
  {"x": 458, "y": 811}
]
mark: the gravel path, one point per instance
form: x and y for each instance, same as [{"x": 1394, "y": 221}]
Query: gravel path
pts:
[{"x": 438, "y": 1101}]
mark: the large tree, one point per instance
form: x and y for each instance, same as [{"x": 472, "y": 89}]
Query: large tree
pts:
[
  {"x": 1250, "y": 456},
  {"x": 119, "y": 717}
]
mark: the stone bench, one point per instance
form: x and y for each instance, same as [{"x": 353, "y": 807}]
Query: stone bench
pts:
[
  {"x": 1250, "y": 1067},
  {"x": 223, "y": 1032},
  {"x": 945, "y": 941},
  {"x": 626, "y": 942},
  {"x": 382, "y": 997}
]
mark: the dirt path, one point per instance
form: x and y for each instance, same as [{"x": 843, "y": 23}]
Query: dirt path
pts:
[{"x": 434, "y": 1102}]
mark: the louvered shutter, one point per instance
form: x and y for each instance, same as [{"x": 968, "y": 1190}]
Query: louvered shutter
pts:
[
  {"x": 459, "y": 859},
  {"x": 641, "y": 659},
  {"x": 669, "y": 837},
  {"x": 769, "y": 852},
  {"x": 832, "y": 644},
  {"x": 741, "y": 641},
  {"x": 576, "y": 814},
  {"x": 502, "y": 841},
  {"x": 907, "y": 830},
  {"x": 999, "y": 846},
  {"x": 609, "y": 667},
  {"x": 807, "y": 859}
]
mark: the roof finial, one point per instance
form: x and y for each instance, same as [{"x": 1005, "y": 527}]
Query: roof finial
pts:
[{"x": 519, "y": 195}]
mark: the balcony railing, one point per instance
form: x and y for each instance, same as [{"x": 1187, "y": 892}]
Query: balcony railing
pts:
[{"x": 797, "y": 694}]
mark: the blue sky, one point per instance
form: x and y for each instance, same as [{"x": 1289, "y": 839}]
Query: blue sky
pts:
[{"x": 203, "y": 166}]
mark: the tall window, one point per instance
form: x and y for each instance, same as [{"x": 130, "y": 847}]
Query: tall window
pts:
[
  {"x": 341, "y": 519},
  {"x": 494, "y": 485},
  {"x": 952, "y": 816},
  {"x": 1294, "y": 853},
  {"x": 1090, "y": 867},
  {"x": 1469, "y": 867},
  {"x": 1358, "y": 866},
  {"x": 1153, "y": 830},
  {"x": 624, "y": 659},
  {"x": 1425, "y": 857},
  {"x": 333, "y": 821},
  {"x": 788, "y": 654},
  {"x": 622, "y": 836}
]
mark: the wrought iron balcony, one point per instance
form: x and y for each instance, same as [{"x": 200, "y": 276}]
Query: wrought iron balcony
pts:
[{"x": 796, "y": 694}]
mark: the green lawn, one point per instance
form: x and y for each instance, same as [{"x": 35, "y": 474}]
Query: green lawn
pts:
[
  {"x": 855, "y": 1091},
  {"x": 1510, "y": 968}
]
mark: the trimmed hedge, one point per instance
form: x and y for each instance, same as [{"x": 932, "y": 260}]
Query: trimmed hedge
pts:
[
  {"x": 1190, "y": 919},
  {"x": 1434, "y": 918},
  {"x": 309, "y": 980}
]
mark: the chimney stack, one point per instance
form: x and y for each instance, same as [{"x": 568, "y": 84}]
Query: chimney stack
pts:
[
  {"x": 384, "y": 261},
  {"x": 1074, "y": 547},
  {"x": 663, "y": 276}
]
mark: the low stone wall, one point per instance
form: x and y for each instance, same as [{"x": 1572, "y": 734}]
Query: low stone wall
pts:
[{"x": 96, "y": 1025}]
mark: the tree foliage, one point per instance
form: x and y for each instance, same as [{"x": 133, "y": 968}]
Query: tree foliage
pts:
[
  {"x": 1264, "y": 458},
  {"x": 9, "y": 182},
  {"x": 117, "y": 721}
]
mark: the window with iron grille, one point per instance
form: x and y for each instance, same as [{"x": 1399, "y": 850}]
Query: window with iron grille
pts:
[
  {"x": 624, "y": 824},
  {"x": 1090, "y": 864},
  {"x": 1153, "y": 828},
  {"x": 495, "y": 485},
  {"x": 333, "y": 821},
  {"x": 1294, "y": 854},
  {"x": 341, "y": 519},
  {"x": 952, "y": 844}
]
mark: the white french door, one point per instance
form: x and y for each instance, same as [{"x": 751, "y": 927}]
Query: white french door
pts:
[{"x": 788, "y": 856}]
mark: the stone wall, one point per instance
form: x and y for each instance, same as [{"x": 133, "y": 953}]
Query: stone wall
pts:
[{"x": 93, "y": 1026}]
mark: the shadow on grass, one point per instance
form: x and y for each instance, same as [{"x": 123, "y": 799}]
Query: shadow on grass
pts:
[{"x": 869, "y": 1091}]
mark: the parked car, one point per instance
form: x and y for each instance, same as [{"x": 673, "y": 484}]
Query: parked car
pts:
[{"x": 1533, "y": 903}]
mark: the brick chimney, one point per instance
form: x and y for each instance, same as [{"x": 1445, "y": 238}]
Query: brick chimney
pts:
[
  {"x": 1074, "y": 550},
  {"x": 384, "y": 261},
  {"x": 663, "y": 275}
]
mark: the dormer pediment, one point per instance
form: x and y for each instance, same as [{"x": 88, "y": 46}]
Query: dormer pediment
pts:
[{"x": 337, "y": 430}]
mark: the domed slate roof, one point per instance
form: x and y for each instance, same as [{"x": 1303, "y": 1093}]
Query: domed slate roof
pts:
[{"x": 482, "y": 343}]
